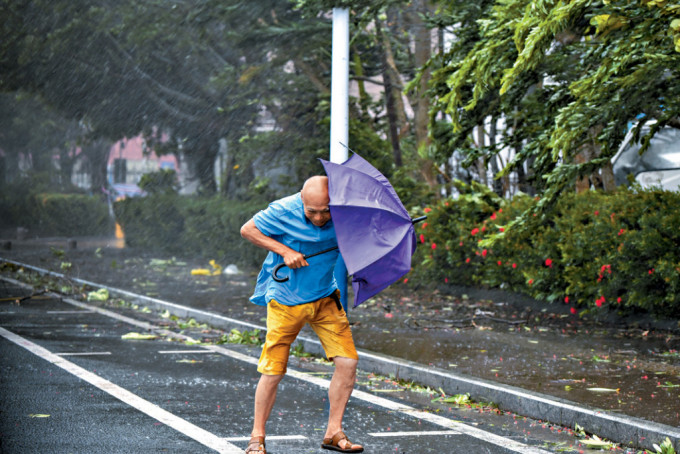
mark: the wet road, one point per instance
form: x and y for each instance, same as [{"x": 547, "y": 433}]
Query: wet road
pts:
[
  {"x": 633, "y": 372},
  {"x": 71, "y": 383}
]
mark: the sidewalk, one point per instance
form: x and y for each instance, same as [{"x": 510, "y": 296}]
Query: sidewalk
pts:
[{"x": 458, "y": 357}]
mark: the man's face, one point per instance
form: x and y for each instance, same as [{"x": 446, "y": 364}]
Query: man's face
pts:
[{"x": 319, "y": 215}]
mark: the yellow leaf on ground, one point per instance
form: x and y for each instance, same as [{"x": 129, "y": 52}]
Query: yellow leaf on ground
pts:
[
  {"x": 596, "y": 443},
  {"x": 603, "y": 390},
  {"x": 100, "y": 295},
  {"x": 138, "y": 336}
]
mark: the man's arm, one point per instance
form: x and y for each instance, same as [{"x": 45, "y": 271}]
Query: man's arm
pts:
[{"x": 292, "y": 258}]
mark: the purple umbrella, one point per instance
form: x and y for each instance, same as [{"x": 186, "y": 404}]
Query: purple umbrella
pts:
[{"x": 375, "y": 232}]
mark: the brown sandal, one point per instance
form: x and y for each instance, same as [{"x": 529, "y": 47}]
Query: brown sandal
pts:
[
  {"x": 333, "y": 444},
  {"x": 256, "y": 445}
]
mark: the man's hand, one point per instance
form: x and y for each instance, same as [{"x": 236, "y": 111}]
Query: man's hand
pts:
[{"x": 294, "y": 259}]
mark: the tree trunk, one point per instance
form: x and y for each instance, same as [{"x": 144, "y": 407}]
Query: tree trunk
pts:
[
  {"x": 97, "y": 154},
  {"x": 481, "y": 167},
  {"x": 608, "y": 182},
  {"x": 390, "y": 105},
  {"x": 67, "y": 159},
  {"x": 363, "y": 96},
  {"x": 497, "y": 183},
  {"x": 421, "y": 100},
  {"x": 588, "y": 152},
  {"x": 205, "y": 169}
]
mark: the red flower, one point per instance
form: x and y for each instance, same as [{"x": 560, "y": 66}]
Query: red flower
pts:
[
  {"x": 484, "y": 253},
  {"x": 499, "y": 263},
  {"x": 467, "y": 260},
  {"x": 573, "y": 310},
  {"x": 427, "y": 209},
  {"x": 531, "y": 281},
  {"x": 434, "y": 245},
  {"x": 446, "y": 280},
  {"x": 607, "y": 268},
  {"x": 405, "y": 280},
  {"x": 424, "y": 225},
  {"x": 566, "y": 300},
  {"x": 422, "y": 238},
  {"x": 514, "y": 265},
  {"x": 493, "y": 217},
  {"x": 483, "y": 228},
  {"x": 548, "y": 262},
  {"x": 501, "y": 229},
  {"x": 597, "y": 213},
  {"x": 474, "y": 231},
  {"x": 618, "y": 300},
  {"x": 622, "y": 231},
  {"x": 460, "y": 244}
]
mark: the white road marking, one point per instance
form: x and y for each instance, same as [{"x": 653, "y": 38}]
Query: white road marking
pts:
[
  {"x": 184, "y": 352},
  {"x": 414, "y": 434},
  {"x": 269, "y": 438},
  {"x": 200, "y": 435},
  {"x": 82, "y": 353},
  {"x": 426, "y": 416},
  {"x": 70, "y": 312}
]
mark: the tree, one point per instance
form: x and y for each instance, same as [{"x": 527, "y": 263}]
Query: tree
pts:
[
  {"x": 123, "y": 67},
  {"x": 569, "y": 78},
  {"x": 37, "y": 140}
]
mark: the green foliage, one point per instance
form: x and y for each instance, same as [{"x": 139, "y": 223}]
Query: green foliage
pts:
[
  {"x": 153, "y": 222},
  {"x": 237, "y": 337},
  {"x": 162, "y": 182},
  {"x": 191, "y": 226},
  {"x": 568, "y": 78},
  {"x": 597, "y": 250},
  {"x": 55, "y": 214},
  {"x": 665, "y": 448}
]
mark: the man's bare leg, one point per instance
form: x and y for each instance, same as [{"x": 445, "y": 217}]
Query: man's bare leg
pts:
[
  {"x": 265, "y": 396},
  {"x": 339, "y": 391}
]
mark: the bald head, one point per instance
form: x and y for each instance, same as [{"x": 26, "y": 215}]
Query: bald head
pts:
[{"x": 315, "y": 199}]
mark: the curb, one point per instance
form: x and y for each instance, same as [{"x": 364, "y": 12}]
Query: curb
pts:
[{"x": 622, "y": 429}]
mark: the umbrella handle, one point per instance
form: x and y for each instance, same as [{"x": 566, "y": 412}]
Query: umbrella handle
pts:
[
  {"x": 275, "y": 273},
  {"x": 416, "y": 220}
]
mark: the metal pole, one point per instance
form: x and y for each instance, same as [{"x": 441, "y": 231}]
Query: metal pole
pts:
[
  {"x": 340, "y": 115},
  {"x": 340, "y": 86}
]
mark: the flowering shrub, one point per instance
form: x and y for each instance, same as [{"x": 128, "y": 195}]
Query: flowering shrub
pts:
[{"x": 598, "y": 250}]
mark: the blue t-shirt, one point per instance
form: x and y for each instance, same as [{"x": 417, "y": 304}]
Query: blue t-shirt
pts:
[{"x": 285, "y": 221}]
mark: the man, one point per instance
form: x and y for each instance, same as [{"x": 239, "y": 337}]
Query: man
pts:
[{"x": 290, "y": 228}]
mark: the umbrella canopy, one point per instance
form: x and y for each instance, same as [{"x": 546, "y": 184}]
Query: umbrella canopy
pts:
[{"x": 375, "y": 232}]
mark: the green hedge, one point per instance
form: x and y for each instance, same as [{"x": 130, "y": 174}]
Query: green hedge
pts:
[
  {"x": 190, "y": 226},
  {"x": 598, "y": 250},
  {"x": 54, "y": 214}
]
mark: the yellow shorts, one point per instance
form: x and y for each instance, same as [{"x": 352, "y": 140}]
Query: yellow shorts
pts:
[{"x": 285, "y": 322}]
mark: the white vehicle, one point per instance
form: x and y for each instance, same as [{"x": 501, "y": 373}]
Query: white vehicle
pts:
[{"x": 659, "y": 166}]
